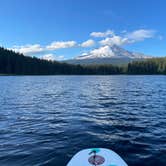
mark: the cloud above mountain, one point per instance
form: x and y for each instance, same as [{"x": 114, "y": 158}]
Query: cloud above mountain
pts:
[
  {"x": 99, "y": 43},
  {"x": 104, "y": 50},
  {"x": 61, "y": 44},
  {"x": 114, "y": 40},
  {"x": 88, "y": 43},
  {"x": 102, "y": 34},
  {"x": 140, "y": 35},
  {"x": 128, "y": 37}
]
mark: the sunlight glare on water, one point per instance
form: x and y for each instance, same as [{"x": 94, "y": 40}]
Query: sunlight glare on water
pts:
[{"x": 45, "y": 120}]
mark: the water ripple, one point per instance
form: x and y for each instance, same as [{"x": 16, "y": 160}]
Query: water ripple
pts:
[{"x": 45, "y": 120}]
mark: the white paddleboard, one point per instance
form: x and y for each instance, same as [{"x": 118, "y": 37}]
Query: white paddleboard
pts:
[{"x": 97, "y": 157}]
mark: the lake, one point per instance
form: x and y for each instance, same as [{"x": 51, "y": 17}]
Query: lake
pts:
[{"x": 45, "y": 120}]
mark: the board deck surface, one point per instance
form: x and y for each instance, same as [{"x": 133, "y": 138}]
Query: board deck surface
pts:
[{"x": 103, "y": 157}]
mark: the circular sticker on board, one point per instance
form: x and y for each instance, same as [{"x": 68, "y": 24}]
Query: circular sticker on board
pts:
[{"x": 96, "y": 160}]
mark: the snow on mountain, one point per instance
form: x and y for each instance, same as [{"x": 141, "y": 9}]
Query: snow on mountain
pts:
[{"x": 111, "y": 52}]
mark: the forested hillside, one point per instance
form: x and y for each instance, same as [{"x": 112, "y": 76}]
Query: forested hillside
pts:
[
  {"x": 150, "y": 66},
  {"x": 17, "y": 64}
]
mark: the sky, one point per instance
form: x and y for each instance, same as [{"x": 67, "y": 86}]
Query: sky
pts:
[{"x": 63, "y": 29}]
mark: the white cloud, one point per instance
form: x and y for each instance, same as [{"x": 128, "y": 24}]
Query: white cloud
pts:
[
  {"x": 104, "y": 50},
  {"x": 132, "y": 37},
  {"x": 28, "y": 49},
  {"x": 115, "y": 40},
  {"x": 49, "y": 57},
  {"x": 140, "y": 35},
  {"x": 61, "y": 44},
  {"x": 88, "y": 43},
  {"x": 109, "y": 38},
  {"x": 33, "y": 49},
  {"x": 102, "y": 34},
  {"x": 52, "y": 57}
]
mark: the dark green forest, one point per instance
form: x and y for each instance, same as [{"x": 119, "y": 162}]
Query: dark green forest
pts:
[{"x": 12, "y": 63}]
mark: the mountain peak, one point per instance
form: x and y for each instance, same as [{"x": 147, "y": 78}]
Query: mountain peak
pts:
[
  {"x": 113, "y": 51},
  {"x": 108, "y": 55}
]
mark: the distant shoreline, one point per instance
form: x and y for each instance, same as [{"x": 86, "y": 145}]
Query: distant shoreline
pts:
[{"x": 15, "y": 64}]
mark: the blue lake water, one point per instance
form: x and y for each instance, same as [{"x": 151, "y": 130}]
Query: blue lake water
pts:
[{"x": 45, "y": 120}]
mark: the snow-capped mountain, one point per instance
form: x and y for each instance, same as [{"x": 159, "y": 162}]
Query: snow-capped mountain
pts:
[
  {"x": 108, "y": 55},
  {"x": 110, "y": 52}
]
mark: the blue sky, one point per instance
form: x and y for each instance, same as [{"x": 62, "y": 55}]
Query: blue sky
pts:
[{"x": 67, "y": 28}]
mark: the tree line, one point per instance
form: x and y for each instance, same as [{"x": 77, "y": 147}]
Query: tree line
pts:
[{"x": 12, "y": 63}]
